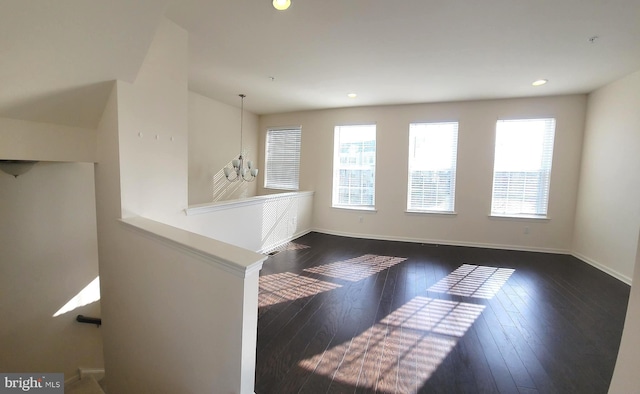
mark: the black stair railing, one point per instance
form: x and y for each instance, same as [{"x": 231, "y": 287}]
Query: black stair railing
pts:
[{"x": 91, "y": 320}]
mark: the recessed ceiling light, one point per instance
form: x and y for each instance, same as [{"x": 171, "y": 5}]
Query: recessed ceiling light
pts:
[
  {"x": 281, "y": 5},
  {"x": 352, "y": 95},
  {"x": 539, "y": 82}
]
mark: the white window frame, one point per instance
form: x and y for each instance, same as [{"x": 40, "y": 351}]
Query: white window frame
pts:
[
  {"x": 433, "y": 151},
  {"x": 282, "y": 158},
  {"x": 359, "y": 161},
  {"x": 522, "y": 168}
]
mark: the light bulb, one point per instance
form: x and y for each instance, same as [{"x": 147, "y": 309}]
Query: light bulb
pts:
[{"x": 281, "y": 5}]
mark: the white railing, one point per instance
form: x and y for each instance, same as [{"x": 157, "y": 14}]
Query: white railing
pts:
[{"x": 256, "y": 223}]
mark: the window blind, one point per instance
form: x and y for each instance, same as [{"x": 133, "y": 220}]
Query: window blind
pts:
[
  {"x": 522, "y": 167},
  {"x": 283, "y": 158},
  {"x": 432, "y": 166},
  {"x": 354, "y": 166}
]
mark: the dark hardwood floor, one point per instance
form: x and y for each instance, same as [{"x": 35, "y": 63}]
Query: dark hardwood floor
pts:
[{"x": 345, "y": 315}]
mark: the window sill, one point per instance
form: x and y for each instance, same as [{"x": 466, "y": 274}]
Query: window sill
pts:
[
  {"x": 355, "y": 208},
  {"x": 520, "y": 217},
  {"x": 445, "y": 213}
]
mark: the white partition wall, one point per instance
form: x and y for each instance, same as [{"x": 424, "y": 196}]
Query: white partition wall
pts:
[
  {"x": 258, "y": 223},
  {"x": 179, "y": 309},
  {"x": 181, "y": 314}
]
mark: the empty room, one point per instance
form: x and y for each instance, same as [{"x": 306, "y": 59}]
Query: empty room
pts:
[{"x": 283, "y": 196}]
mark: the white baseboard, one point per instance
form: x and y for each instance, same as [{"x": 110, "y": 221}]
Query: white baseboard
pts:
[
  {"x": 71, "y": 380},
  {"x": 97, "y": 373},
  {"x": 443, "y": 242},
  {"x": 603, "y": 268}
]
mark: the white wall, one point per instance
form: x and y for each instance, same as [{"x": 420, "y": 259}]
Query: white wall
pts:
[
  {"x": 472, "y": 224},
  {"x": 214, "y": 140},
  {"x": 608, "y": 208},
  {"x": 152, "y": 130},
  {"x": 625, "y": 376},
  {"x": 24, "y": 140},
  {"x": 48, "y": 251},
  {"x": 607, "y": 226},
  {"x": 48, "y": 254}
]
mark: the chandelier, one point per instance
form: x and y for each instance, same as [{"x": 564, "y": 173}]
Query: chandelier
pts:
[{"x": 239, "y": 172}]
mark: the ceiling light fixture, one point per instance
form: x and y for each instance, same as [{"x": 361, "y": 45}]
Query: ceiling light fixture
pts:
[
  {"x": 16, "y": 167},
  {"x": 238, "y": 172},
  {"x": 352, "y": 95},
  {"x": 539, "y": 82},
  {"x": 281, "y": 5}
]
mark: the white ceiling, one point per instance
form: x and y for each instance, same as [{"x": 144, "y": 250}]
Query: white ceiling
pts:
[{"x": 57, "y": 55}]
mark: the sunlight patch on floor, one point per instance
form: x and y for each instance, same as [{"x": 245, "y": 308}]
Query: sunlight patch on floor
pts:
[
  {"x": 288, "y": 286},
  {"x": 402, "y": 351},
  {"x": 439, "y": 316},
  {"x": 473, "y": 281},
  {"x": 288, "y": 246},
  {"x": 357, "y": 268}
]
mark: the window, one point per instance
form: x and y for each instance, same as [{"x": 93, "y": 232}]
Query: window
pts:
[
  {"x": 522, "y": 167},
  {"x": 432, "y": 166},
  {"x": 283, "y": 159},
  {"x": 354, "y": 166}
]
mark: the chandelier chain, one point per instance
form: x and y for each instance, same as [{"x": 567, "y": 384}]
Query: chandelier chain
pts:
[
  {"x": 242, "y": 96},
  {"x": 238, "y": 172}
]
